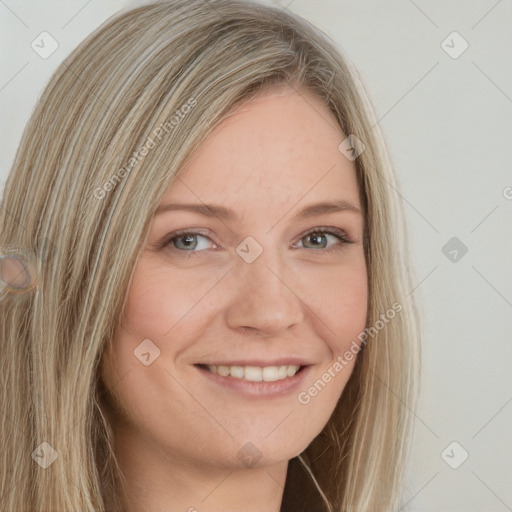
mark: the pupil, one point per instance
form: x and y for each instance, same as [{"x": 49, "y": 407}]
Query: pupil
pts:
[
  {"x": 316, "y": 237},
  {"x": 189, "y": 240}
]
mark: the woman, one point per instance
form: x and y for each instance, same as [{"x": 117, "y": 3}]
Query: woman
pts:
[{"x": 204, "y": 276}]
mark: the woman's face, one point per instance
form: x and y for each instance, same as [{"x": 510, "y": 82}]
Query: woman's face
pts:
[{"x": 257, "y": 284}]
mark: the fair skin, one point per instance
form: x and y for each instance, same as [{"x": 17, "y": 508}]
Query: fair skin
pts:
[{"x": 182, "y": 433}]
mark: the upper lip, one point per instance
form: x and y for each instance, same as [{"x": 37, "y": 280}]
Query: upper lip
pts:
[{"x": 284, "y": 361}]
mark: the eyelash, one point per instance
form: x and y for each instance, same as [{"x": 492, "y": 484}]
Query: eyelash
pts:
[{"x": 338, "y": 233}]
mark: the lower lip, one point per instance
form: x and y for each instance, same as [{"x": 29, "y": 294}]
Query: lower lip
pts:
[{"x": 260, "y": 389}]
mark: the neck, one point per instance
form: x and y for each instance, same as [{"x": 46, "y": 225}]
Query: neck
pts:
[{"x": 161, "y": 481}]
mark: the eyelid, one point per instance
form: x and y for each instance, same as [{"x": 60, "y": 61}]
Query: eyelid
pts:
[
  {"x": 166, "y": 241},
  {"x": 343, "y": 238},
  {"x": 329, "y": 230}
]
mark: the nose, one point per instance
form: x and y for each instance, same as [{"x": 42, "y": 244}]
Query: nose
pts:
[{"x": 265, "y": 297}]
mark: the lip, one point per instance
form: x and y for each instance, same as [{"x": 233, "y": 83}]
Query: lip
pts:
[
  {"x": 284, "y": 361},
  {"x": 261, "y": 389}
]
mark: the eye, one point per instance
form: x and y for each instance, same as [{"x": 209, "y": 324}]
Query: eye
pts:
[
  {"x": 317, "y": 238},
  {"x": 187, "y": 241}
]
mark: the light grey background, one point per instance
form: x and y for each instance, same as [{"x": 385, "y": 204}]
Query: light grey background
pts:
[{"x": 447, "y": 122}]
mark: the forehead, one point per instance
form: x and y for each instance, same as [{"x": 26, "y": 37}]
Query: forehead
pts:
[{"x": 277, "y": 149}]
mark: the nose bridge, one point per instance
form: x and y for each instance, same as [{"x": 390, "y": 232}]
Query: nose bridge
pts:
[
  {"x": 261, "y": 262},
  {"x": 264, "y": 300}
]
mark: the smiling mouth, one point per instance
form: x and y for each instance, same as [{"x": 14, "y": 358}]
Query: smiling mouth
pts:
[{"x": 255, "y": 373}]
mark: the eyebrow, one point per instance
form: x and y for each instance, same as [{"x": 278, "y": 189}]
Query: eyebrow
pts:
[{"x": 222, "y": 212}]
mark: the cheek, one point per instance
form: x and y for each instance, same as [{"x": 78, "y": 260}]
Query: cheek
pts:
[
  {"x": 154, "y": 307},
  {"x": 350, "y": 319},
  {"x": 147, "y": 340},
  {"x": 341, "y": 317},
  {"x": 159, "y": 302},
  {"x": 342, "y": 304}
]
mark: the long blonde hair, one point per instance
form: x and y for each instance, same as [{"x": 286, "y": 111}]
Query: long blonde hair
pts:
[{"x": 77, "y": 208}]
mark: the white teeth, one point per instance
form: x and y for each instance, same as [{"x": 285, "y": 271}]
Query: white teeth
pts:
[
  {"x": 237, "y": 371},
  {"x": 270, "y": 373},
  {"x": 223, "y": 371},
  {"x": 256, "y": 373},
  {"x": 253, "y": 373},
  {"x": 291, "y": 370}
]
